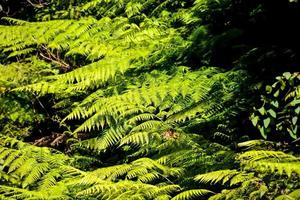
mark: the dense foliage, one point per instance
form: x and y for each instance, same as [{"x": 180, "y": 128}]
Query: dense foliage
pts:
[{"x": 126, "y": 99}]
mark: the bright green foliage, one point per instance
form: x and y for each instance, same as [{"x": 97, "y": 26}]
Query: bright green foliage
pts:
[
  {"x": 27, "y": 166},
  {"x": 292, "y": 196},
  {"x": 44, "y": 173},
  {"x": 52, "y": 175},
  {"x": 281, "y": 107},
  {"x": 142, "y": 115},
  {"x": 189, "y": 194},
  {"x": 276, "y": 162},
  {"x": 257, "y": 176},
  {"x": 120, "y": 90}
]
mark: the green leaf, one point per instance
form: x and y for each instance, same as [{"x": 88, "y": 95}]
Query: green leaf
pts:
[
  {"x": 272, "y": 113},
  {"x": 292, "y": 133},
  {"x": 294, "y": 120},
  {"x": 255, "y": 120},
  {"x": 297, "y": 110},
  {"x": 262, "y": 111},
  {"x": 268, "y": 89},
  {"x": 276, "y": 94},
  {"x": 295, "y": 194},
  {"x": 287, "y": 75},
  {"x": 263, "y": 189},
  {"x": 263, "y": 133},
  {"x": 267, "y": 122},
  {"x": 295, "y": 102},
  {"x": 283, "y": 84},
  {"x": 295, "y": 130},
  {"x": 275, "y": 104}
]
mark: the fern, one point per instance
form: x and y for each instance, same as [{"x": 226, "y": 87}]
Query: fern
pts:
[
  {"x": 138, "y": 110},
  {"x": 222, "y": 176},
  {"x": 190, "y": 194},
  {"x": 276, "y": 162},
  {"x": 293, "y": 195},
  {"x": 53, "y": 175},
  {"x": 34, "y": 167},
  {"x": 122, "y": 95},
  {"x": 245, "y": 182}
]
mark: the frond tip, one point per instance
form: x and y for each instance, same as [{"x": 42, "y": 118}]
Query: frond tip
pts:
[
  {"x": 216, "y": 176},
  {"x": 192, "y": 194}
]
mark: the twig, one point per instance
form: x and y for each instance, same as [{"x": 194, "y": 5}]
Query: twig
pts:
[
  {"x": 51, "y": 57},
  {"x": 40, "y": 5}
]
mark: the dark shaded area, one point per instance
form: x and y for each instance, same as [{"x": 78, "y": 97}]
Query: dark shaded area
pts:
[
  {"x": 260, "y": 35},
  {"x": 20, "y": 9}
]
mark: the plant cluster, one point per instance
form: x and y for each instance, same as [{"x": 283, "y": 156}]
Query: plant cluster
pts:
[{"x": 106, "y": 99}]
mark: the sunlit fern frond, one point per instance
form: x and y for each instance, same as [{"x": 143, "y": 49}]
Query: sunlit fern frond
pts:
[
  {"x": 143, "y": 169},
  {"x": 105, "y": 47},
  {"x": 128, "y": 189},
  {"x": 32, "y": 165},
  {"x": 192, "y": 194},
  {"x": 275, "y": 162},
  {"x": 255, "y": 144},
  {"x": 56, "y": 192},
  {"x": 145, "y": 112},
  {"x": 214, "y": 177},
  {"x": 294, "y": 195}
]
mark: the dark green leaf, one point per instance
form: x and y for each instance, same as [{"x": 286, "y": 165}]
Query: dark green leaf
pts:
[{"x": 268, "y": 89}]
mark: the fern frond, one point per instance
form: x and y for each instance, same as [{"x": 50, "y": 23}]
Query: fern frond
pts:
[
  {"x": 191, "y": 194},
  {"x": 57, "y": 192},
  {"x": 32, "y": 165},
  {"x": 273, "y": 161},
  {"x": 254, "y": 143},
  {"x": 217, "y": 176},
  {"x": 256, "y": 155},
  {"x": 140, "y": 138},
  {"x": 294, "y": 195}
]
